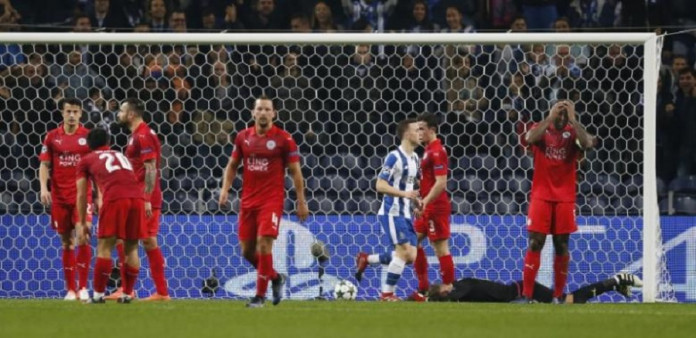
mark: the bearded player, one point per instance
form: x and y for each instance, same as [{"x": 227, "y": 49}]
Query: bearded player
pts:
[
  {"x": 121, "y": 215},
  {"x": 143, "y": 152},
  {"x": 62, "y": 149},
  {"x": 266, "y": 151},
  {"x": 557, "y": 143}
]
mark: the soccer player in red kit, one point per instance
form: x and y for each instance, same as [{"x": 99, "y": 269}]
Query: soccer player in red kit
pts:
[
  {"x": 143, "y": 152},
  {"x": 265, "y": 150},
  {"x": 121, "y": 215},
  {"x": 557, "y": 143},
  {"x": 62, "y": 149},
  {"x": 435, "y": 210}
]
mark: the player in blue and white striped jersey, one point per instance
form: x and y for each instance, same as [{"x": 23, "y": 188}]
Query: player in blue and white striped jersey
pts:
[{"x": 398, "y": 183}]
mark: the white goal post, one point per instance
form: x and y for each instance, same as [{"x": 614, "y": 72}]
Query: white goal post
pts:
[{"x": 652, "y": 251}]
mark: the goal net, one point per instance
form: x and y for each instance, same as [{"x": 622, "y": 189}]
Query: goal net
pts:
[{"x": 340, "y": 96}]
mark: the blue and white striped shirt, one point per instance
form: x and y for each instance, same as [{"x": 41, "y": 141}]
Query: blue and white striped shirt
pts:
[{"x": 401, "y": 171}]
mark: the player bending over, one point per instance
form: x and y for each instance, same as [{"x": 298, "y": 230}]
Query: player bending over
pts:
[
  {"x": 122, "y": 213},
  {"x": 397, "y": 183},
  {"x": 481, "y": 290}
]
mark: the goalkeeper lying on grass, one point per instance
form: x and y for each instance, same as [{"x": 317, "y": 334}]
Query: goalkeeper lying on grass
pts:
[{"x": 480, "y": 290}]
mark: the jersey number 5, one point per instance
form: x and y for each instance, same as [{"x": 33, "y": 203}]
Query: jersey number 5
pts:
[{"x": 122, "y": 160}]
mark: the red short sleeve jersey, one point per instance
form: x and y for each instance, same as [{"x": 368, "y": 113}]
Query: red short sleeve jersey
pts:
[
  {"x": 64, "y": 152},
  {"x": 264, "y": 158},
  {"x": 555, "y": 165},
  {"x": 144, "y": 145},
  {"x": 113, "y": 174},
  {"x": 434, "y": 164}
]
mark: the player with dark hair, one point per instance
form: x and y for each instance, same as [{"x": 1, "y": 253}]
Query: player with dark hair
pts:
[
  {"x": 481, "y": 290},
  {"x": 434, "y": 219},
  {"x": 62, "y": 149},
  {"x": 121, "y": 216},
  {"x": 397, "y": 182},
  {"x": 265, "y": 150},
  {"x": 557, "y": 143},
  {"x": 143, "y": 151}
]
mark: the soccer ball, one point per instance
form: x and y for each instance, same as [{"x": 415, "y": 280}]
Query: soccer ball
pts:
[{"x": 345, "y": 290}]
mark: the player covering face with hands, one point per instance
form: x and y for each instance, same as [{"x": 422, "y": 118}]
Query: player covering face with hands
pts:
[{"x": 556, "y": 143}]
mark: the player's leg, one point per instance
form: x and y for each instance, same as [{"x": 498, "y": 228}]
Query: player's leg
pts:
[
  {"x": 561, "y": 260},
  {"x": 538, "y": 225},
  {"x": 62, "y": 223},
  {"x": 404, "y": 239},
  {"x": 439, "y": 237},
  {"x": 563, "y": 224},
  {"x": 155, "y": 257},
  {"x": 84, "y": 257},
  {"x": 363, "y": 260},
  {"x": 120, "y": 251},
  {"x": 132, "y": 269},
  {"x": 421, "y": 263},
  {"x": 620, "y": 283},
  {"x": 268, "y": 220},
  {"x": 112, "y": 216},
  {"x": 247, "y": 236},
  {"x": 103, "y": 265}
]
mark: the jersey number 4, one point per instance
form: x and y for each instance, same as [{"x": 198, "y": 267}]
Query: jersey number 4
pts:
[{"x": 122, "y": 160}]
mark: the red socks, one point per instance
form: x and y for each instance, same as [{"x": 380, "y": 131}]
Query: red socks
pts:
[
  {"x": 156, "y": 260},
  {"x": 421, "y": 267},
  {"x": 531, "y": 267},
  {"x": 69, "y": 269},
  {"x": 264, "y": 273},
  {"x": 121, "y": 262},
  {"x": 102, "y": 271},
  {"x": 84, "y": 257},
  {"x": 560, "y": 274},
  {"x": 446, "y": 269},
  {"x": 131, "y": 277}
]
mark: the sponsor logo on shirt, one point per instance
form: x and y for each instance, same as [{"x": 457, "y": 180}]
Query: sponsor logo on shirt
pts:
[
  {"x": 68, "y": 160},
  {"x": 553, "y": 153},
  {"x": 256, "y": 164}
]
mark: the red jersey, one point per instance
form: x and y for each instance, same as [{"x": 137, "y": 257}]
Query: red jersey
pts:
[
  {"x": 64, "y": 151},
  {"x": 144, "y": 145},
  {"x": 265, "y": 158},
  {"x": 555, "y": 165},
  {"x": 434, "y": 163},
  {"x": 113, "y": 173}
]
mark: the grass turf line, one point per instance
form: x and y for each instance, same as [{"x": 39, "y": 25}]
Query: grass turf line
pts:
[{"x": 220, "y": 318}]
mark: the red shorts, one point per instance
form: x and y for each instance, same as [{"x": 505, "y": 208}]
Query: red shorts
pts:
[
  {"x": 152, "y": 224},
  {"x": 436, "y": 223},
  {"x": 263, "y": 221},
  {"x": 122, "y": 218},
  {"x": 64, "y": 217},
  {"x": 547, "y": 217}
]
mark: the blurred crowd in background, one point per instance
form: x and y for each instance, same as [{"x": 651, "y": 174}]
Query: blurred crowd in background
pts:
[{"x": 340, "y": 102}]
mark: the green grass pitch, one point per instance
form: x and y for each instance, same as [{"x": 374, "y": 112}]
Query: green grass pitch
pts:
[{"x": 309, "y": 319}]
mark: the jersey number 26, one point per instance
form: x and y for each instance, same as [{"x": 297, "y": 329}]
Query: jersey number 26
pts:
[{"x": 122, "y": 160}]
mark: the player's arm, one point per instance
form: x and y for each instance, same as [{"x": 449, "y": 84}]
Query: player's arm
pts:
[
  {"x": 535, "y": 134},
  {"x": 44, "y": 173},
  {"x": 383, "y": 187},
  {"x": 150, "y": 176},
  {"x": 228, "y": 178},
  {"x": 585, "y": 140},
  {"x": 298, "y": 181},
  {"x": 438, "y": 188},
  {"x": 82, "y": 226}
]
